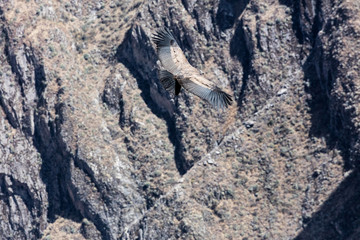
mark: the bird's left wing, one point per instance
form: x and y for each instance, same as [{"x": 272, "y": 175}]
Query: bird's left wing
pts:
[
  {"x": 170, "y": 54},
  {"x": 211, "y": 93}
]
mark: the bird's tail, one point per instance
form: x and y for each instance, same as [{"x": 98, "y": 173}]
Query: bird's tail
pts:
[{"x": 169, "y": 82}]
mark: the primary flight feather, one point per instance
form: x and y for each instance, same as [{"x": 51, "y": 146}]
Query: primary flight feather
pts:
[{"x": 179, "y": 73}]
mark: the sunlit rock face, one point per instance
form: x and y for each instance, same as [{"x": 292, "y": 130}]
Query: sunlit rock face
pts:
[{"x": 93, "y": 147}]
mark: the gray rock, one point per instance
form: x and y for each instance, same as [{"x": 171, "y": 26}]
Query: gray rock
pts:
[{"x": 88, "y": 134}]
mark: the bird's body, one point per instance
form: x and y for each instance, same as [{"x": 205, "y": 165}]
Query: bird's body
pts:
[{"x": 179, "y": 73}]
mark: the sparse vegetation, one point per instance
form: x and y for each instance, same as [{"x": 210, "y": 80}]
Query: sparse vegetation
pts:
[{"x": 80, "y": 82}]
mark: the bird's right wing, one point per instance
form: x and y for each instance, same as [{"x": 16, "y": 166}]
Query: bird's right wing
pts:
[
  {"x": 213, "y": 94},
  {"x": 170, "y": 54}
]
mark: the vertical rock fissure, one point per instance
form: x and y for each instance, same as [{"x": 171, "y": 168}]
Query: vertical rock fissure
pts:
[
  {"x": 228, "y": 12},
  {"x": 241, "y": 47},
  {"x": 82, "y": 206},
  {"x": 11, "y": 58},
  {"x": 54, "y": 170},
  {"x": 7, "y": 107},
  {"x": 126, "y": 54},
  {"x": 54, "y": 158},
  {"x": 9, "y": 112},
  {"x": 329, "y": 118},
  {"x": 86, "y": 212},
  {"x": 23, "y": 192},
  {"x": 55, "y": 167}
]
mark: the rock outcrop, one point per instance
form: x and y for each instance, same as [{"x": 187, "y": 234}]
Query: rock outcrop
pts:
[{"x": 92, "y": 146}]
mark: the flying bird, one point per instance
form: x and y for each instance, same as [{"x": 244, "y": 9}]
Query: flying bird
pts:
[{"x": 179, "y": 73}]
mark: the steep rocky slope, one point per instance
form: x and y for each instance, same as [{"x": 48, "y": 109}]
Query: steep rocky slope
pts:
[{"x": 92, "y": 147}]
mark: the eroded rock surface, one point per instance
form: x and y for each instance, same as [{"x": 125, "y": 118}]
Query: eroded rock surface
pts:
[{"x": 92, "y": 146}]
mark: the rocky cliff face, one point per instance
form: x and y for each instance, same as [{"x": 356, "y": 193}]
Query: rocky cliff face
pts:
[{"x": 92, "y": 147}]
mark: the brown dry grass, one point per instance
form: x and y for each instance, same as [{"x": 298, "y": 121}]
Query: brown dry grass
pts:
[{"x": 63, "y": 229}]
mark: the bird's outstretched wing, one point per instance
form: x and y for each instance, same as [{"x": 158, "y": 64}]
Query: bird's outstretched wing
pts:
[
  {"x": 169, "y": 82},
  {"x": 170, "y": 54},
  {"x": 213, "y": 94},
  {"x": 179, "y": 72}
]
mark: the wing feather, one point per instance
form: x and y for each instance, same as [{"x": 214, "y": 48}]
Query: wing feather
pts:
[
  {"x": 163, "y": 38},
  {"x": 214, "y": 95},
  {"x": 169, "y": 52}
]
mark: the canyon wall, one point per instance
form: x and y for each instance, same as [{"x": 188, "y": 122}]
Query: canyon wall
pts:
[{"x": 93, "y": 147}]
